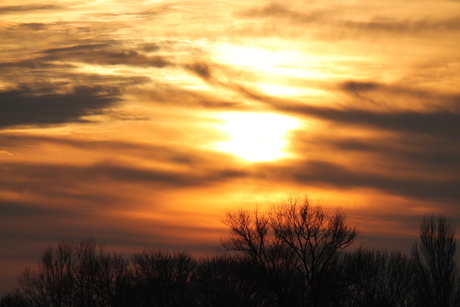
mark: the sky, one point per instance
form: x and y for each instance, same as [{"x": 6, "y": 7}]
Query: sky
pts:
[{"x": 141, "y": 123}]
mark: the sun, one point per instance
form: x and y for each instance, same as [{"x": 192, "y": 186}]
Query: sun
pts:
[{"x": 255, "y": 137}]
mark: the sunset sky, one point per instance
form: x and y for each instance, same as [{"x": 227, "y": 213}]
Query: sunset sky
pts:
[{"x": 140, "y": 123}]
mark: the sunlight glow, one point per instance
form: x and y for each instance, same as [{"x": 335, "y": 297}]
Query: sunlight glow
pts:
[
  {"x": 256, "y": 137},
  {"x": 280, "y": 63},
  {"x": 248, "y": 56},
  {"x": 283, "y": 90}
]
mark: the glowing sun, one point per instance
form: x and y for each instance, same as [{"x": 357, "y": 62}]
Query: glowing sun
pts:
[{"x": 255, "y": 136}]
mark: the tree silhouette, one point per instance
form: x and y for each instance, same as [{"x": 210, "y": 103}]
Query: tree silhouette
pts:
[
  {"x": 163, "y": 278},
  {"x": 290, "y": 255},
  {"x": 15, "y": 299},
  {"x": 76, "y": 275},
  {"x": 227, "y": 281},
  {"x": 291, "y": 240},
  {"x": 379, "y": 278},
  {"x": 434, "y": 256}
]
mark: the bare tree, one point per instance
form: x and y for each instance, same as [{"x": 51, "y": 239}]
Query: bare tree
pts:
[
  {"x": 252, "y": 234},
  {"x": 292, "y": 239},
  {"x": 434, "y": 256},
  {"x": 379, "y": 278},
  {"x": 52, "y": 284},
  {"x": 315, "y": 236},
  {"x": 162, "y": 278},
  {"x": 76, "y": 275}
]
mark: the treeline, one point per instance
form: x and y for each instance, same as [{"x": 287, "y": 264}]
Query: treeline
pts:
[{"x": 295, "y": 254}]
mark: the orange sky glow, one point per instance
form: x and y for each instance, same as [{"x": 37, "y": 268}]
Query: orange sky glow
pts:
[{"x": 141, "y": 123}]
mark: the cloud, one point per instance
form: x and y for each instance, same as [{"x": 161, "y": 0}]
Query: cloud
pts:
[
  {"x": 19, "y": 209},
  {"x": 97, "y": 54},
  {"x": 34, "y": 26},
  {"x": 26, "y": 8},
  {"x": 334, "y": 175},
  {"x": 153, "y": 10},
  {"x": 75, "y": 49},
  {"x": 440, "y": 124},
  {"x": 103, "y": 53},
  {"x": 281, "y": 11},
  {"x": 151, "y": 47},
  {"x": 355, "y": 86},
  {"x": 438, "y": 114},
  {"x": 410, "y": 26},
  {"x": 227, "y": 77},
  {"x": 166, "y": 178},
  {"x": 401, "y": 95},
  {"x": 22, "y": 107},
  {"x": 338, "y": 18},
  {"x": 43, "y": 75},
  {"x": 173, "y": 156},
  {"x": 203, "y": 70},
  {"x": 36, "y": 63},
  {"x": 171, "y": 94},
  {"x": 42, "y": 178},
  {"x": 421, "y": 154}
]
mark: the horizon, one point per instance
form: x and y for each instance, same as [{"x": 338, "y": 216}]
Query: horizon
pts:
[{"x": 141, "y": 125}]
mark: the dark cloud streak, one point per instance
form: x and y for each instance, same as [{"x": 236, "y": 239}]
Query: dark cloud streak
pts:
[
  {"x": 27, "y": 8},
  {"x": 23, "y": 209},
  {"x": 34, "y": 26},
  {"x": 34, "y": 177},
  {"x": 101, "y": 54},
  {"x": 380, "y": 93},
  {"x": 440, "y": 156},
  {"x": 440, "y": 124},
  {"x": 409, "y": 26},
  {"x": 334, "y": 18},
  {"x": 279, "y": 11},
  {"x": 21, "y": 107},
  {"x": 330, "y": 174}
]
